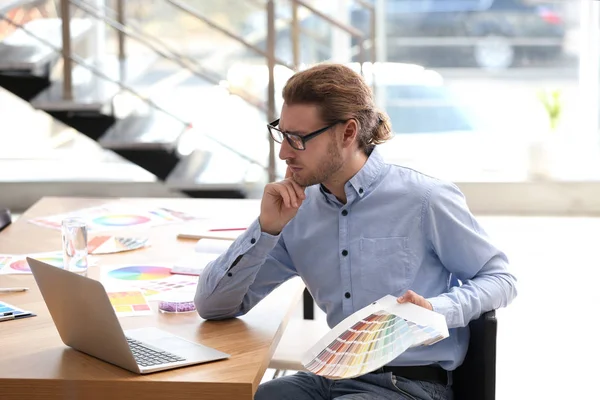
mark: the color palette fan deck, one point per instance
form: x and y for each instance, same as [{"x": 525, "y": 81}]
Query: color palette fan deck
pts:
[
  {"x": 114, "y": 244},
  {"x": 372, "y": 337}
]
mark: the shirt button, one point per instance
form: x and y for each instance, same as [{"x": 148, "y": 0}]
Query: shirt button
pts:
[
  {"x": 230, "y": 274},
  {"x": 345, "y": 212},
  {"x": 360, "y": 190},
  {"x": 347, "y": 294},
  {"x": 252, "y": 240},
  {"x": 344, "y": 253}
]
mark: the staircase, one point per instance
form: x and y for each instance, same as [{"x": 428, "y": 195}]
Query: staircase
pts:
[{"x": 159, "y": 108}]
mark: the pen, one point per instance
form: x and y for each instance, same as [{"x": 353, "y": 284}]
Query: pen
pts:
[
  {"x": 227, "y": 229},
  {"x": 13, "y": 289}
]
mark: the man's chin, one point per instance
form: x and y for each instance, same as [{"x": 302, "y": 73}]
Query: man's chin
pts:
[{"x": 302, "y": 181}]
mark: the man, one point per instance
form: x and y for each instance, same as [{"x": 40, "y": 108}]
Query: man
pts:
[{"x": 356, "y": 229}]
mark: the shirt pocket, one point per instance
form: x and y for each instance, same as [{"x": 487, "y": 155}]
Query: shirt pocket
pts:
[{"x": 384, "y": 264}]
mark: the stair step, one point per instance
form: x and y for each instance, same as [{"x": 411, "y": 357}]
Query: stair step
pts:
[
  {"x": 90, "y": 91},
  {"x": 22, "y": 52},
  {"x": 217, "y": 170},
  {"x": 71, "y": 170},
  {"x": 153, "y": 130}
]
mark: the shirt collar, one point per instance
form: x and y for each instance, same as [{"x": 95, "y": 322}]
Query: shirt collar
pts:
[{"x": 364, "y": 178}]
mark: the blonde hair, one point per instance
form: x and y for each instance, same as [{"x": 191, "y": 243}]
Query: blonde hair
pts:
[{"x": 340, "y": 94}]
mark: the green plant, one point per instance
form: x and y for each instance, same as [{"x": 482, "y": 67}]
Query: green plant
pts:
[{"x": 552, "y": 102}]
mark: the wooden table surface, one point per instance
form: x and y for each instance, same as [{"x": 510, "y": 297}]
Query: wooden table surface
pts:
[{"x": 35, "y": 364}]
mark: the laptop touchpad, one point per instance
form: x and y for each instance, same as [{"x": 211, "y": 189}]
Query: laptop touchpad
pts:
[
  {"x": 174, "y": 344},
  {"x": 159, "y": 338}
]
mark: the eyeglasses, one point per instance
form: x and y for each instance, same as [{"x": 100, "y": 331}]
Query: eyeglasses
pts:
[{"x": 296, "y": 141}]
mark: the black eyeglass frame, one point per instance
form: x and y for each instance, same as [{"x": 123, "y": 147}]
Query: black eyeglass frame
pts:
[{"x": 303, "y": 139}]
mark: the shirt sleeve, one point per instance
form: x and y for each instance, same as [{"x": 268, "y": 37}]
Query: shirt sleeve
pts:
[
  {"x": 254, "y": 265},
  {"x": 466, "y": 251}
]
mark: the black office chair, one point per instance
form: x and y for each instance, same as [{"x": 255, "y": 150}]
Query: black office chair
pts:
[
  {"x": 5, "y": 218},
  {"x": 475, "y": 379}
]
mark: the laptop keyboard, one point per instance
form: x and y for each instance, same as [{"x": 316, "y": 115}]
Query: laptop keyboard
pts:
[{"x": 147, "y": 357}]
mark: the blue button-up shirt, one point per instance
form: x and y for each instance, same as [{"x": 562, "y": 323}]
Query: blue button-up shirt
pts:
[{"x": 399, "y": 230}]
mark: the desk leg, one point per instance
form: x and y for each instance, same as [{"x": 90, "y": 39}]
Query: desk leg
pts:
[{"x": 309, "y": 305}]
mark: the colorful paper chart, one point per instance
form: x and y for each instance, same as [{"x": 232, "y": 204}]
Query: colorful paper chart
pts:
[
  {"x": 16, "y": 312},
  {"x": 114, "y": 244},
  {"x": 152, "y": 280},
  {"x": 121, "y": 220},
  {"x": 129, "y": 303},
  {"x": 140, "y": 273},
  {"x": 17, "y": 264},
  {"x": 4, "y": 260},
  {"x": 115, "y": 216},
  {"x": 151, "y": 289},
  {"x": 373, "y": 337}
]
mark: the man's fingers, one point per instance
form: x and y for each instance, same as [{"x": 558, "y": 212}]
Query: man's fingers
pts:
[
  {"x": 408, "y": 297},
  {"x": 283, "y": 191},
  {"x": 288, "y": 194},
  {"x": 298, "y": 189},
  {"x": 292, "y": 193},
  {"x": 412, "y": 297}
]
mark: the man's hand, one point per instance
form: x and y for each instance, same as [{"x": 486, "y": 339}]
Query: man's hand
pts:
[
  {"x": 412, "y": 297},
  {"x": 280, "y": 203}
]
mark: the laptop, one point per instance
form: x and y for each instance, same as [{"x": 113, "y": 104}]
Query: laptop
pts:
[{"x": 87, "y": 322}]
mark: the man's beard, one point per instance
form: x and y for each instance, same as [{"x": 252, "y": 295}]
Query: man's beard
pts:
[{"x": 332, "y": 163}]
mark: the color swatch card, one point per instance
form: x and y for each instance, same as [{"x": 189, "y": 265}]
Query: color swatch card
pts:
[
  {"x": 4, "y": 261},
  {"x": 372, "y": 337},
  {"x": 116, "y": 215},
  {"x": 114, "y": 244},
  {"x": 193, "y": 264},
  {"x": 9, "y": 312},
  {"x": 17, "y": 264},
  {"x": 151, "y": 280},
  {"x": 129, "y": 303}
]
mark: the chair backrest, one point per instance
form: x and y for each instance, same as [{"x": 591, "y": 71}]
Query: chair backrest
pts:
[
  {"x": 5, "y": 218},
  {"x": 475, "y": 379}
]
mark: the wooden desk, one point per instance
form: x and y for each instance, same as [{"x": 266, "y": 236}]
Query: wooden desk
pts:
[{"x": 35, "y": 364}]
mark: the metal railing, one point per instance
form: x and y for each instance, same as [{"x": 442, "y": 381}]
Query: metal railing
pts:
[
  {"x": 353, "y": 32},
  {"x": 166, "y": 52},
  {"x": 271, "y": 59},
  {"x": 80, "y": 61},
  {"x": 126, "y": 30},
  {"x": 373, "y": 26},
  {"x": 158, "y": 46},
  {"x": 194, "y": 13}
]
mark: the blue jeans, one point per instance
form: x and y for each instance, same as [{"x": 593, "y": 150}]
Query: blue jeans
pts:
[{"x": 374, "y": 386}]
